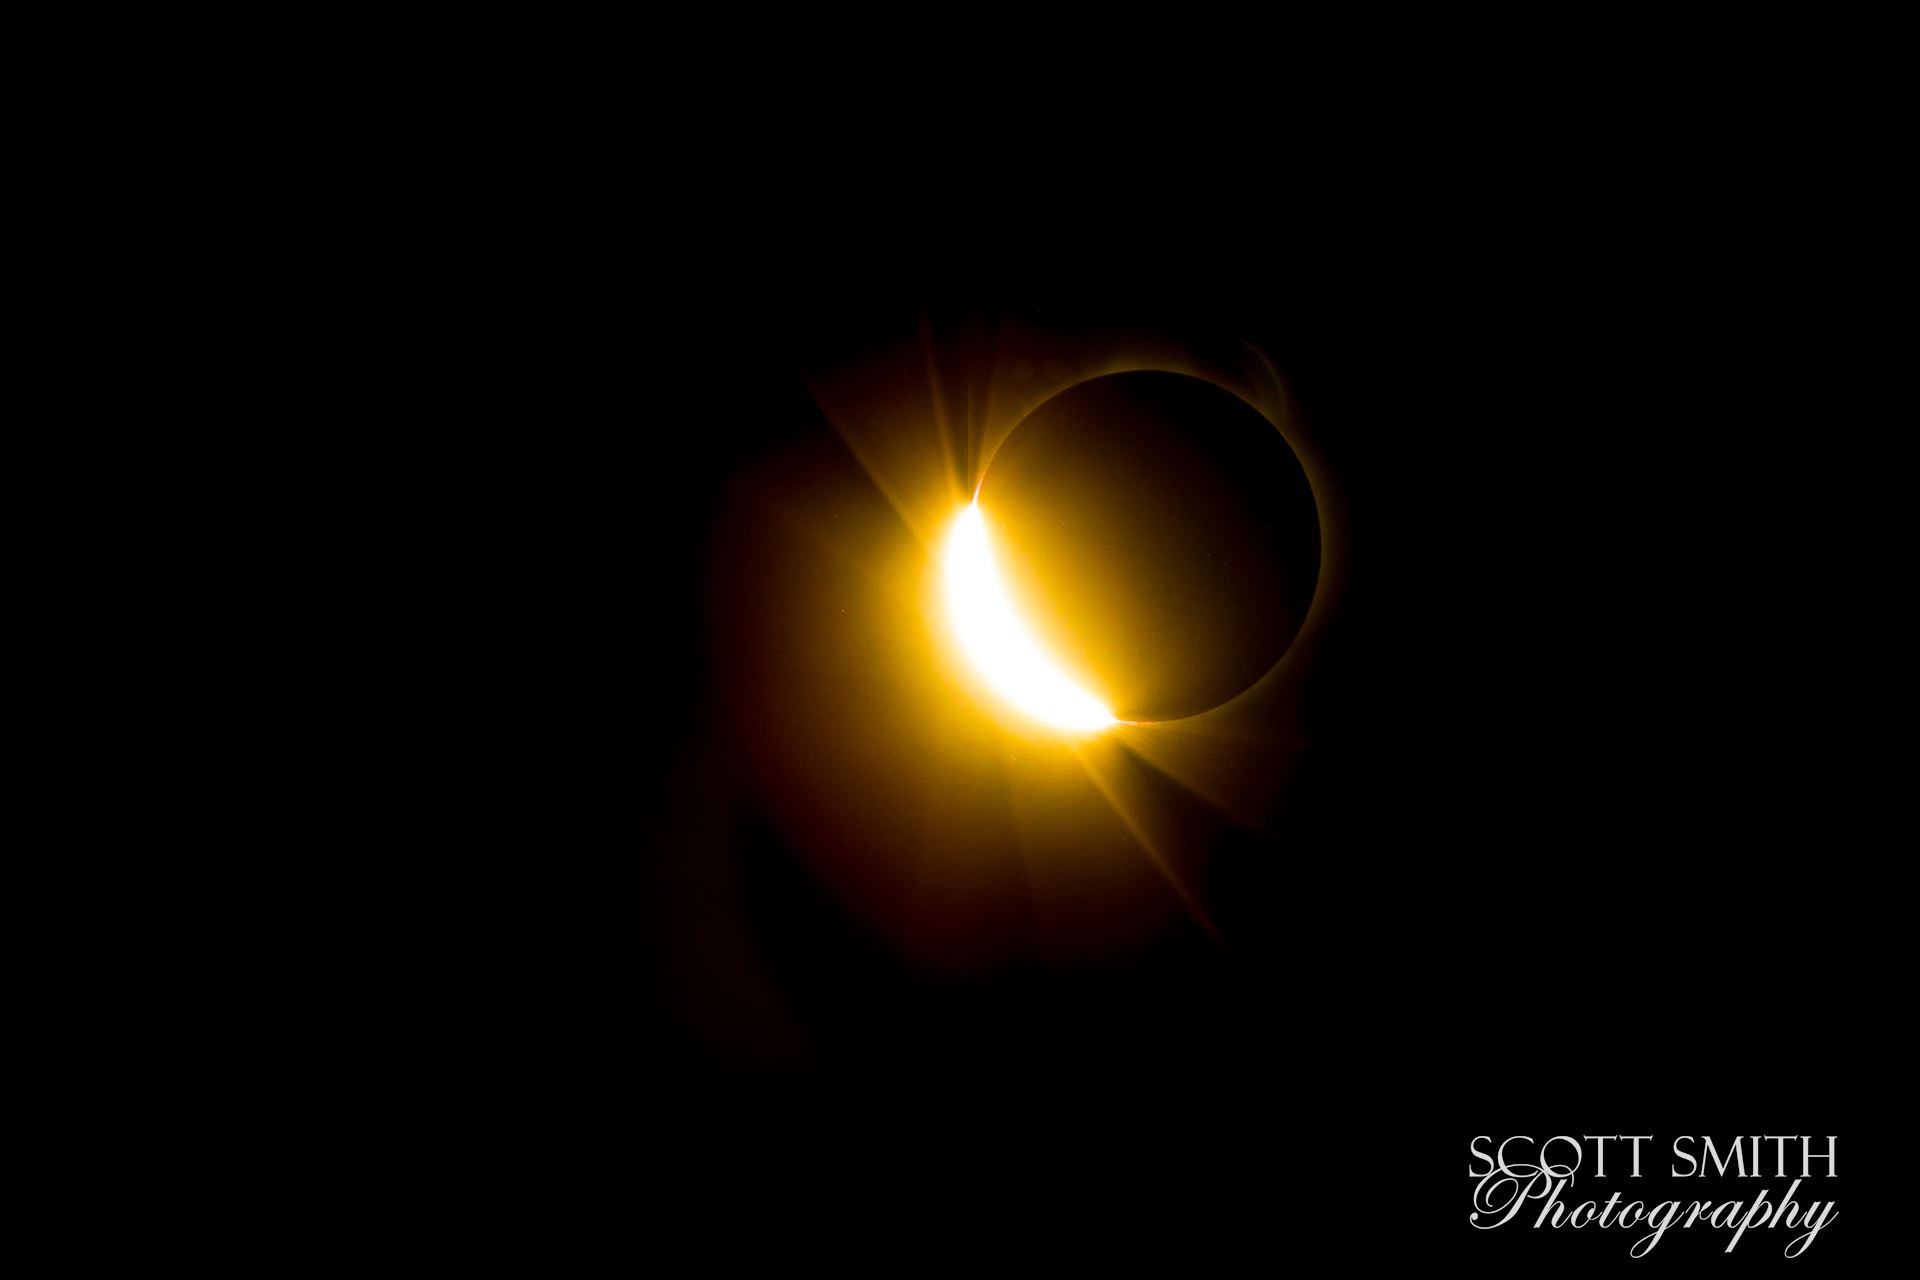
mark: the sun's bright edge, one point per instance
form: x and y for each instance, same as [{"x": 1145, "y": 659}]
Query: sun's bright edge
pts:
[{"x": 998, "y": 644}]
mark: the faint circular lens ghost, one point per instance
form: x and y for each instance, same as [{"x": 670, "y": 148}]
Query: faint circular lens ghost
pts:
[{"x": 1157, "y": 536}]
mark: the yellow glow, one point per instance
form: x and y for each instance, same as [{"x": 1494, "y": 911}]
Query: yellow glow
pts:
[{"x": 999, "y": 645}]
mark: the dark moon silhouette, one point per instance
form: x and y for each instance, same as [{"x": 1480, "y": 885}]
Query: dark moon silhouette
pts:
[{"x": 1160, "y": 536}]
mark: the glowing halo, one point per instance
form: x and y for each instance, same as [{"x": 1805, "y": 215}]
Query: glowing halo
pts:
[{"x": 998, "y": 645}]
